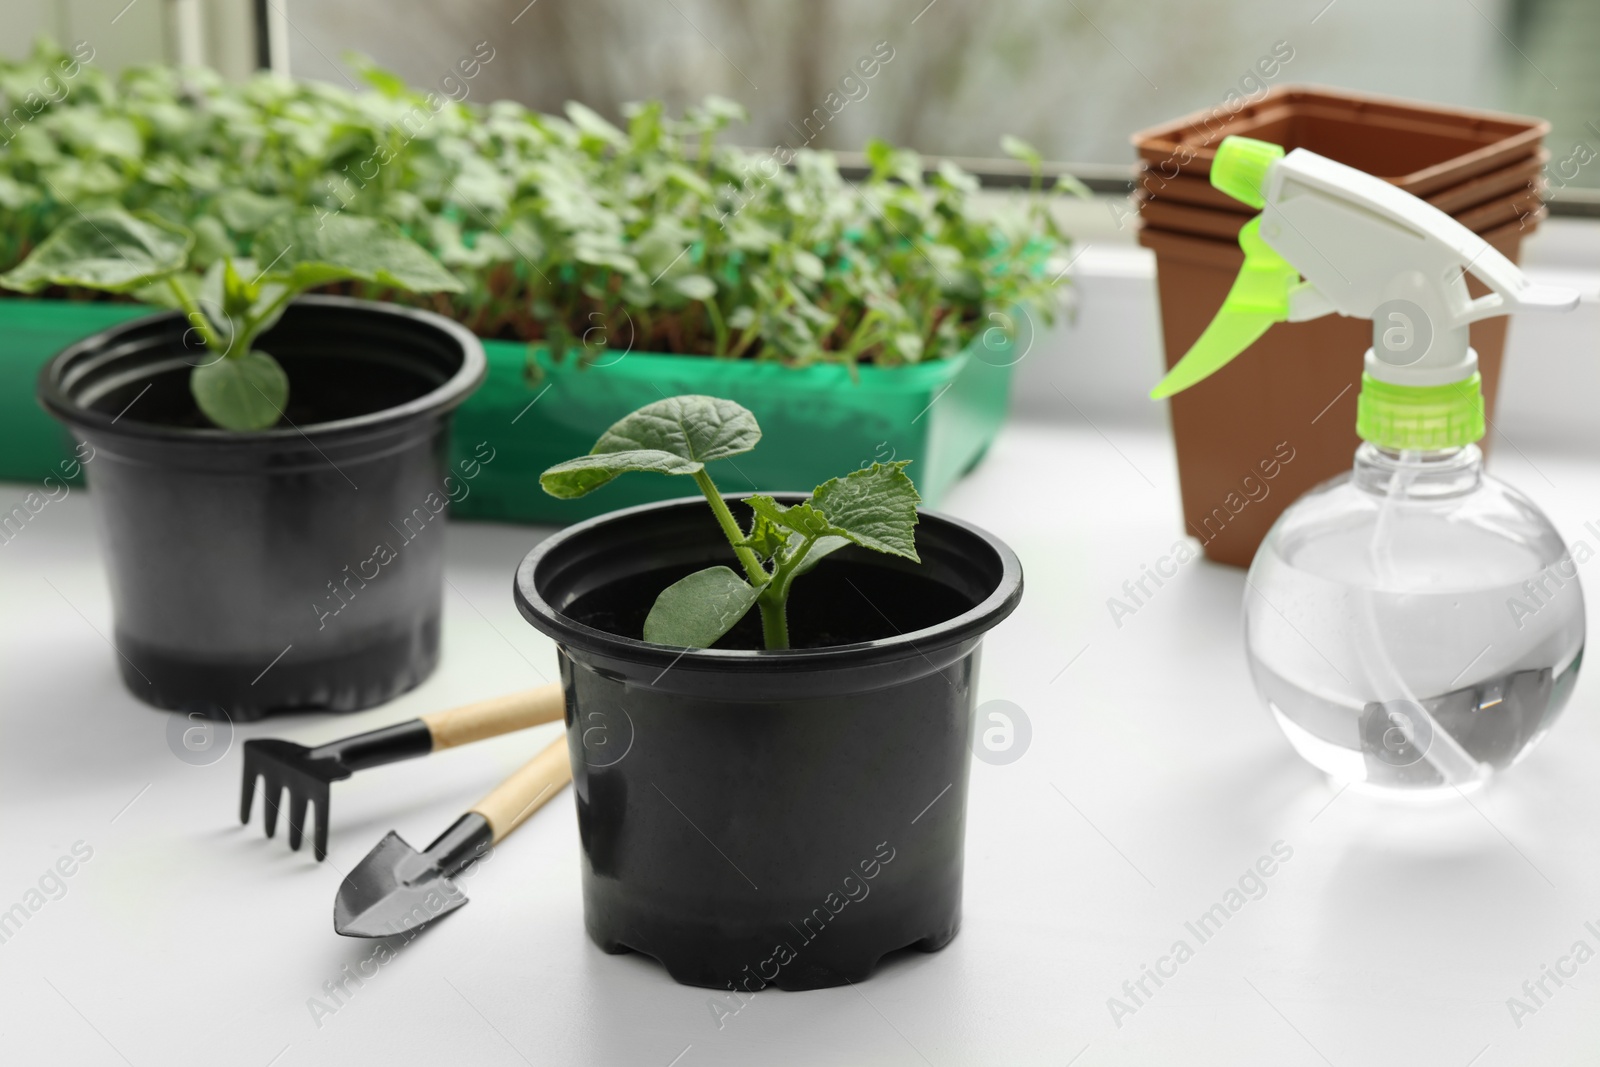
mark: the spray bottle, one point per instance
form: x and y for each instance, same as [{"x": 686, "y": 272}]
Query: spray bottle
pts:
[{"x": 1414, "y": 626}]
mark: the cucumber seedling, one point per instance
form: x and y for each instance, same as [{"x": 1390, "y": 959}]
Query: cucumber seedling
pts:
[
  {"x": 875, "y": 507},
  {"x": 238, "y": 386}
]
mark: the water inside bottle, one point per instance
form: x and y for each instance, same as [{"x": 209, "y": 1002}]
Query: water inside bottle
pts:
[{"x": 1413, "y": 689}]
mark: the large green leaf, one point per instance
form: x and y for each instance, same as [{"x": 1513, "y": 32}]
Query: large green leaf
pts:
[
  {"x": 576, "y": 477},
  {"x": 875, "y": 508},
  {"x": 245, "y": 392},
  {"x": 110, "y": 250},
  {"x": 309, "y": 250},
  {"x": 694, "y": 611},
  {"x": 696, "y": 428}
]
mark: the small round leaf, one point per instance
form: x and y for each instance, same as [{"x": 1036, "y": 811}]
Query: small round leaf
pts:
[
  {"x": 694, "y": 611},
  {"x": 245, "y": 392}
]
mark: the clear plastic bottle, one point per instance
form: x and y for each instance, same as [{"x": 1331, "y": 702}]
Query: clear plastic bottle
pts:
[{"x": 1414, "y": 626}]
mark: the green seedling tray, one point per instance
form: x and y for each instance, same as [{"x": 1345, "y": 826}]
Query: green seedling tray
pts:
[
  {"x": 32, "y": 444},
  {"x": 533, "y": 411}
]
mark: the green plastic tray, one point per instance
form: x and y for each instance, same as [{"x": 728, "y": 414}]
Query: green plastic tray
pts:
[
  {"x": 818, "y": 422},
  {"x": 32, "y": 444}
]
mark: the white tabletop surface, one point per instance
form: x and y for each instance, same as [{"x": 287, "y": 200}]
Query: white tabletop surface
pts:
[{"x": 1153, "y": 782}]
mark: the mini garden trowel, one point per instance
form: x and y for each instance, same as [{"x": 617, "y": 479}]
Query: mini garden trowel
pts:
[
  {"x": 307, "y": 772},
  {"x": 396, "y": 888}
]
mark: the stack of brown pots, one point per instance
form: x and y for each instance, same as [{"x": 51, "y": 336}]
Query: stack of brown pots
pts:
[{"x": 1281, "y": 418}]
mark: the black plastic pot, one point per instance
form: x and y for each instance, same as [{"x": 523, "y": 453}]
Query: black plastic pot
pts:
[
  {"x": 295, "y": 568},
  {"x": 754, "y": 818}
]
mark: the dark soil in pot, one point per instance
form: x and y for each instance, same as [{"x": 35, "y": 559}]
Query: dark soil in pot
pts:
[
  {"x": 755, "y": 818},
  {"x": 291, "y": 569}
]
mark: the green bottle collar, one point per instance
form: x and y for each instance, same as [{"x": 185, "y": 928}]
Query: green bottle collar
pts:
[{"x": 1421, "y": 418}]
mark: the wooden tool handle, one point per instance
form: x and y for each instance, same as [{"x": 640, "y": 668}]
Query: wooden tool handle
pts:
[
  {"x": 495, "y": 716},
  {"x": 519, "y": 796}
]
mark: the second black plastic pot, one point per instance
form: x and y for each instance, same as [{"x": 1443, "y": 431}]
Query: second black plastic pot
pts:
[
  {"x": 295, "y": 568},
  {"x": 754, "y": 818}
]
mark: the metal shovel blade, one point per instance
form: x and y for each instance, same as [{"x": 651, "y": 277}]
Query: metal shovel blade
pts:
[{"x": 394, "y": 889}]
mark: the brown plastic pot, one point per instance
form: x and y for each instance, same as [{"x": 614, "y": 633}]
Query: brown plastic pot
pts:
[
  {"x": 1281, "y": 417},
  {"x": 1422, "y": 148},
  {"x": 1512, "y": 179}
]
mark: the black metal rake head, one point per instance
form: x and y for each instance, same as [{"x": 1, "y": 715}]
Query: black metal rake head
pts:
[
  {"x": 307, "y": 772},
  {"x": 285, "y": 765}
]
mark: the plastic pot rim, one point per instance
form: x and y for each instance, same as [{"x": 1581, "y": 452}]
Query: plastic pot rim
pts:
[
  {"x": 56, "y": 398},
  {"x": 970, "y": 624},
  {"x": 1166, "y": 139},
  {"x": 1197, "y": 192}
]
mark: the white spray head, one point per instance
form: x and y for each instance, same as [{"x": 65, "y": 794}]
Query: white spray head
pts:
[{"x": 1331, "y": 238}]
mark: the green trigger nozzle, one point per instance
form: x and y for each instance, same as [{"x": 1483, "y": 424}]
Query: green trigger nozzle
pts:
[
  {"x": 1260, "y": 294},
  {"x": 1240, "y": 168},
  {"x": 1259, "y": 298}
]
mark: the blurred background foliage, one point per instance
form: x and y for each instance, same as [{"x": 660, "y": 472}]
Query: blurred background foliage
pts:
[{"x": 1073, "y": 76}]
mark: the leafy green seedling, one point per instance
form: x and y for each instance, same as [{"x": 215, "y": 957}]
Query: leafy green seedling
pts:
[
  {"x": 242, "y": 387},
  {"x": 875, "y": 508}
]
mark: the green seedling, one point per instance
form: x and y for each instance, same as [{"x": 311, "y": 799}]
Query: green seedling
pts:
[
  {"x": 238, "y": 386},
  {"x": 875, "y": 507}
]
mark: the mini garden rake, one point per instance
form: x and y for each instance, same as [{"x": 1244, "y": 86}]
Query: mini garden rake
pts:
[{"x": 308, "y": 772}]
